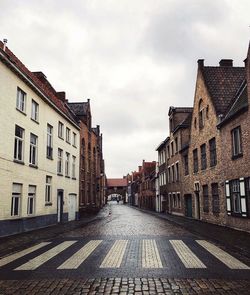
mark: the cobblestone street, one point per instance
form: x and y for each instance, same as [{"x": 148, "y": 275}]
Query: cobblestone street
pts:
[{"x": 126, "y": 251}]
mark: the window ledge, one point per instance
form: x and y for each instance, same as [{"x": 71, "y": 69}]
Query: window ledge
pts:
[
  {"x": 33, "y": 166},
  {"x": 48, "y": 204},
  {"x": 67, "y": 176},
  {"x": 74, "y": 178},
  {"x": 34, "y": 121},
  {"x": 62, "y": 138},
  {"x": 59, "y": 174},
  {"x": 21, "y": 112},
  {"x": 68, "y": 142},
  {"x": 18, "y": 162},
  {"x": 50, "y": 158},
  {"x": 74, "y": 145},
  {"x": 237, "y": 156}
]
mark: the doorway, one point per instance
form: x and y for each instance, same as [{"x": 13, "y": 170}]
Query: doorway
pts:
[
  {"x": 188, "y": 205},
  {"x": 197, "y": 205},
  {"x": 72, "y": 207},
  {"x": 59, "y": 205}
]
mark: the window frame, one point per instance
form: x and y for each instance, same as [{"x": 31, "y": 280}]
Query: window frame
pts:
[
  {"x": 212, "y": 152},
  {"x": 36, "y": 112},
  {"x": 16, "y": 196},
  {"x": 205, "y": 195},
  {"x": 60, "y": 162},
  {"x": 60, "y": 130},
  {"x": 68, "y": 135},
  {"x": 67, "y": 164},
  {"x": 19, "y": 141},
  {"x": 215, "y": 198},
  {"x": 31, "y": 196},
  {"x": 195, "y": 161},
  {"x": 236, "y": 137},
  {"x": 49, "y": 150},
  {"x": 21, "y": 105},
  {"x": 48, "y": 190},
  {"x": 33, "y": 150},
  {"x": 203, "y": 157}
]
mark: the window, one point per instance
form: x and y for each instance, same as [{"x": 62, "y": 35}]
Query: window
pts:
[
  {"x": 34, "y": 110},
  {"x": 169, "y": 175},
  {"x": 168, "y": 152},
  {"x": 31, "y": 200},
  {"x": 203, "y": 157},
  {"x": 173, "y": 174},
  {"x": 67, "y": 164},
  {"x": 202, "y": 114},
  {"x": 212, "y": 150},
  {"x": 48, "y": 189},
  {"x": 21, "y": 100},
  {"x": 49, "y": 141},
  {"x": 176, "y": 145},
  {"x": 236, "y": 142},
  {"x": 205, "y": 198},
  {"x": 177, "y": 171},
  {"x": 74, "y": 139},
  {"x": 195, "y": 159},
  {"x": 67, "y": 135},
  {"x": 19, "y": 143},
  {"x": 33, "y": 149},
  {"x": 73, "y": 167},
  {"x": 60, "y": 162},
  {"x": 172, "y": 148},
  {"x": 215, "y": 198},
  {"x": 174, "y": 200},
  {"x": 186, "y": 170},
  {"x": 60, "y": 130},
  {"x": 16, "y": 199},
  {"x": 236, "y": 202},
  {"x": 179, "y": 200}
]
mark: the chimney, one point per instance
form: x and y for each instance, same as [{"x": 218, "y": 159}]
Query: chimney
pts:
[
  {"x": 61, "y": 95},
  {"x": 4, "y": 44},
  {"x": 200, "y": 63},
  {"x": 226, "y": 63}
]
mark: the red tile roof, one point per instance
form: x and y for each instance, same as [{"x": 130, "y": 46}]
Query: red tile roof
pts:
[
  {"x": 117, "y": 182},
  {"x": 45, "y": 88}
]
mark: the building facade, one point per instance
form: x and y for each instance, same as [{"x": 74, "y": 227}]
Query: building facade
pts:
[
  {"x": 39, "y": 150},
  {"x": 91, "y": 193}
]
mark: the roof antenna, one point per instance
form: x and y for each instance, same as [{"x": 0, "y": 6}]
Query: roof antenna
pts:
[{"x": 4, "y": 44}]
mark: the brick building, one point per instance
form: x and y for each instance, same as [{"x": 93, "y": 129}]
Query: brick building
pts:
[
  {"x": 146, "y": 195},
  {"x": 91, "y": 195},
  {"x": 179, "y": 122},
  {"x": 212, "y": 177}
]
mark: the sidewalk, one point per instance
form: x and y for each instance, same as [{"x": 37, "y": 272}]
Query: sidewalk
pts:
[
  {"x": 23, "y": 240},
  {"x": 237, "y": 241}
]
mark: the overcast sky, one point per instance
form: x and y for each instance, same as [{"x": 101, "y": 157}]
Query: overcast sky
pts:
[{"x": 133, "y": 59}]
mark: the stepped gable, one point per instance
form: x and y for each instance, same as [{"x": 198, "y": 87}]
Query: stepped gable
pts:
[{"x": 44, "y": 87}]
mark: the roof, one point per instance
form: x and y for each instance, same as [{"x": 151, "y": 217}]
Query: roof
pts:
[
  {"x": 223, "y": 83},
  {"x": 186, "y": 122},
  {"x": 79, "y": 108},
  {"x": 240, "y": 104},
  {"x": 45, "y": 88},
  {"x": 116, "y": 182},
  {"x": 179, "y": 110},
  {"x": 162, "y": 144}
]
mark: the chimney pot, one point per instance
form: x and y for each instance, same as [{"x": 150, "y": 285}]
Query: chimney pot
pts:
[
  {"x": 226, "y": 63},
  {"x": 61, "y": 95}
]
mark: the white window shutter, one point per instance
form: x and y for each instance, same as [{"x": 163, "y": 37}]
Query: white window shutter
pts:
[
  {"x": 243, "y": 198},
  {"x": 228, "y": 198}
]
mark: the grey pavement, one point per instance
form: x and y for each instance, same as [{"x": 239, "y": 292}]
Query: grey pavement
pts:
[{"x": 123, "y": 250}]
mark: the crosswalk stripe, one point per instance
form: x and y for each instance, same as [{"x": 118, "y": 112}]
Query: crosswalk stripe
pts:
[
  {"x": 115, "y": 255},
  {"x": 150, "y": 255},
  {"x": 22, "y": 253},
  {"x": 223, "y": 256},
  {"x": 78, "y": 258},
  {"x": 41, "y": 259},
  {"x": 188, "y": 258}
]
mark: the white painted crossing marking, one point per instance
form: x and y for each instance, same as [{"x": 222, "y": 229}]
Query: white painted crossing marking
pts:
[
  {"x": 150, "y": 255},
  {"x": 188, "y": 258},
  {"x": 41, "y": 259},
  {"x": 115, "y": 255},
  {"x": 22, "y": 253},
  {"x": 223, "y": 256},
  {"x": 78, "y": 258}
]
